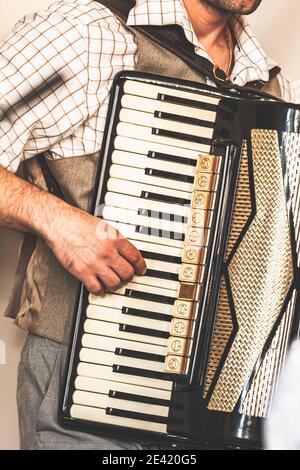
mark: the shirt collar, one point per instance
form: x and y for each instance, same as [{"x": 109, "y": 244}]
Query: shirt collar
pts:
[{"x": 251, "y": 62}]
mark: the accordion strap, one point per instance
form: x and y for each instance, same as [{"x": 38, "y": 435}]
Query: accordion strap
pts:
[{"x": 173, "y": 39}]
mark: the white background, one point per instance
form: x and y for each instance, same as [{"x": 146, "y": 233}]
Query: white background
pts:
[{"x": 277, "y": 24}]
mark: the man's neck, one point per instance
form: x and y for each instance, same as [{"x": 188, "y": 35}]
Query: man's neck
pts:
[{"x": 207, "y": 22}]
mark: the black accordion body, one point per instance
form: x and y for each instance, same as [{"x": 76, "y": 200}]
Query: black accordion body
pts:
[{"x": 206, "y": 185}]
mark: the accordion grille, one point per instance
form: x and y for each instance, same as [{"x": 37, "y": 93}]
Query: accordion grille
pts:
[
  {"x": 259, "y": 397},
  {"x": 260, "y": 273},
  {"x": 223, "y": 325}
]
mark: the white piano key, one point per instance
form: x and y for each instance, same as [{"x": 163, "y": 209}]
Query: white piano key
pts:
[
  {"x": 105, "y": 343},
  {"x": 142, "y": 147},
  {"x": 114, "y": 315},
  {"x": 138, "y": 175},
  {"x": 105, "y": 358},
  {"x": 106, "y": 372},
  {"x": 137, "y": 160},
  {"x": 148, "y": 90},
  {"x": 157, "y": 282},
  {"x": 99, "y": 415},
  {"x": 98, "y": 327},
  {"x": 104, "y": 401},
  {"x": 151, "y": 105},
  {"x": 148, "y": 289},
  {"x": 162, "y": 266},
  {"x": 156, "y": 248},
  {"x": 145, "y": 133},
  {"x": 103, "y": 386},
  {"x": 127, "y": 216},
  {"x": 119, "y": 185},
  {"x": 119, "y": 301},
  {"x": 129, "y": 231},
  {"x": 135, "y": 203},
  {"x": 146, "y": 119}
]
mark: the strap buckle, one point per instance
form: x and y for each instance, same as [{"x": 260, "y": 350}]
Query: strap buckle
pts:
[{"x": 219, "y": 74}]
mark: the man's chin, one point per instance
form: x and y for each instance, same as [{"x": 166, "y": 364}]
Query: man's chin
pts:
[{"x": 241, "y": 7}]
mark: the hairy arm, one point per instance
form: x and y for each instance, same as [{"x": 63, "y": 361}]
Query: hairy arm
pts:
[{"x": 86, "y": 246}]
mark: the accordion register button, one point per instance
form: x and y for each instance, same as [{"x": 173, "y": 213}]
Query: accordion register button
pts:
[
  {"x": 194, "y": 255},
  {"x": 190, "y": 291},
  {"x": 201, "y": 218},
  {"x": 193, "y": 273},
  {"x": 197, "y": 236},
  {"x": 179, "y": 346},
  {"x": 176, "y": 364},
  {"x": 209, "y": 164},
  {"x": 182, "y": 328},
  {"x": 203, "y": 200},
  {"x": 184, "y": 309},
  {"x": 206, "y": 182}
]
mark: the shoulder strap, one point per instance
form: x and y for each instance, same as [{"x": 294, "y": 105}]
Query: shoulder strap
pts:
[
  {"x": 51, "y": 182},
  {"x": 120, "y": 7},
  {"x": 259, "y": 84},
  {"x": 174, "y": 40}
]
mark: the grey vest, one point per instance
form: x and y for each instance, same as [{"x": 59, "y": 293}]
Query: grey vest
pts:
[{"x": 44, "y": 293}]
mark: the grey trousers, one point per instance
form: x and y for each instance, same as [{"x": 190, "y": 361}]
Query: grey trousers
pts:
[{"x": 40, "y": 377}]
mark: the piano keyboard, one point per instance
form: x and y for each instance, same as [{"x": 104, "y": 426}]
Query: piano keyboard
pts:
[{"x": 160, "y": 194}]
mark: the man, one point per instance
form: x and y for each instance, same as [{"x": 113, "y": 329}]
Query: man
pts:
[{"x": 87, "y": 45}]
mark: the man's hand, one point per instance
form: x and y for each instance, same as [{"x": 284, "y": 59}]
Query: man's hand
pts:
[
  {"x": 90, "y": 249},
  {"x": 94, "y": 252}
]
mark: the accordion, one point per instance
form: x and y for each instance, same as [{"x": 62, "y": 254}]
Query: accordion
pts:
[{"x": 206, "y": 184}]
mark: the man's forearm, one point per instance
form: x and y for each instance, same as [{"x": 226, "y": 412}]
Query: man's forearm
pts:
[
  {"x": 86, "y": 246},
  {"x": 25, "y": 207}
]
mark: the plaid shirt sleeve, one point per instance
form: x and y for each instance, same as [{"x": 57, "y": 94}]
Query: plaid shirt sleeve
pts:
[
  {"x": 34, "y": 51},
  {"x": 287, "y": 89}
]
